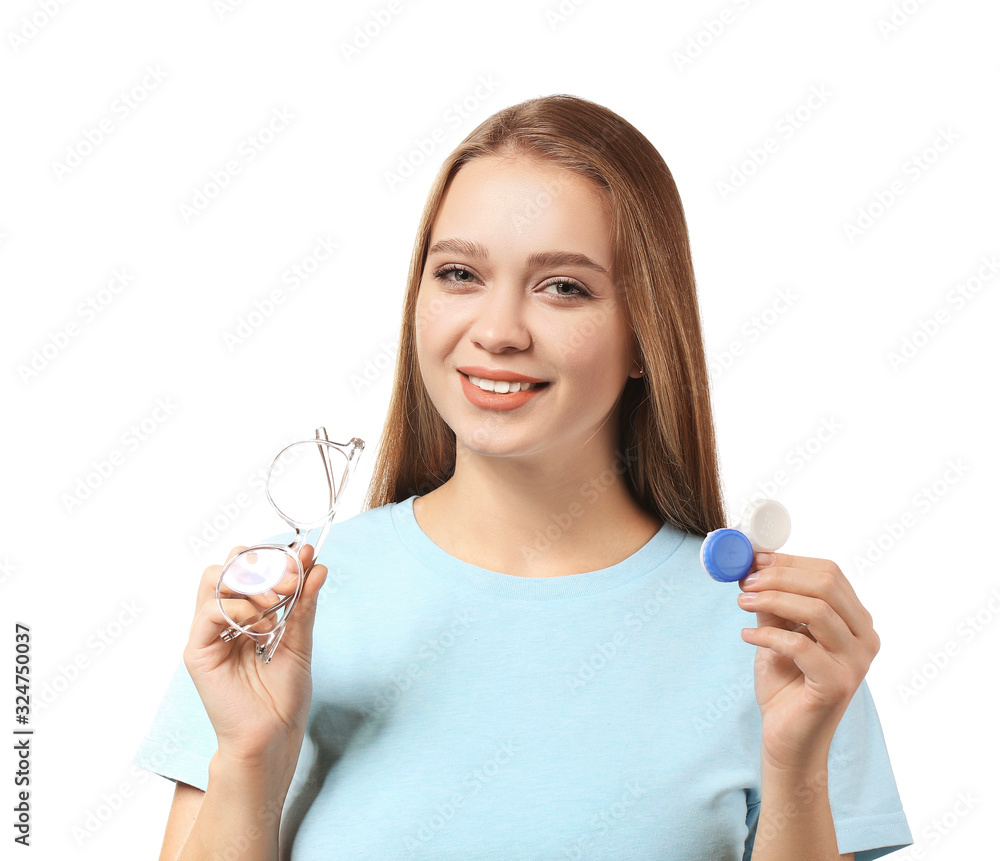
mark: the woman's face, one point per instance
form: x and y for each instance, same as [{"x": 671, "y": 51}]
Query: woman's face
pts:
[{"x": 518, "y": 280}]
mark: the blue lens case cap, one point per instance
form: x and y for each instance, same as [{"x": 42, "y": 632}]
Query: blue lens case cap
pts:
[{"x": 727, "y": 555}]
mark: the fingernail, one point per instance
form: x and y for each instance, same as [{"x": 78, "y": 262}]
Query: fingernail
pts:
[
  {"x": 750, "y": 579},
  {"x": 763, "y": 559}
]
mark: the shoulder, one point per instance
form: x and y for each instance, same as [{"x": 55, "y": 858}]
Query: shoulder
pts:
[
  {"x": 709, "y": 608},
  {"x": 371, "y": 521},
  {"x": 365, "y": 533}
]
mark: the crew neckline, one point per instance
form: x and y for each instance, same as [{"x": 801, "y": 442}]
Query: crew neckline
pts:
[{"x": 647, "y": 558}]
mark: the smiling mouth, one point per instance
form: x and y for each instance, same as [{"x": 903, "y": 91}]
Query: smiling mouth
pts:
[{"x": 501, "y": 387}]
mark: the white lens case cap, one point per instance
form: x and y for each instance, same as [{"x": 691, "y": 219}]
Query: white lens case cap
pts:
[{"x": 767, "y": 524}]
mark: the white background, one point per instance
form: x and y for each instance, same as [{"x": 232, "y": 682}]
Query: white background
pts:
[{"x": 862, "y": 451}]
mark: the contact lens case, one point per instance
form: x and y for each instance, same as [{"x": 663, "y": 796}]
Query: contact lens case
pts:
[{"x": 727, "y": 554}]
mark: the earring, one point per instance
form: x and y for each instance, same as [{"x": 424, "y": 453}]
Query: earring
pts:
[{"x": 641, "y": 372}]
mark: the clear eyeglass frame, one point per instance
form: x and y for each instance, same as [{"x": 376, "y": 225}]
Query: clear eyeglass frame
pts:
[{"x": 274, "y": 617}]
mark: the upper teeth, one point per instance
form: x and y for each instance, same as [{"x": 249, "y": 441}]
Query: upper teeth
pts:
[{"x": 500, "y": 385}]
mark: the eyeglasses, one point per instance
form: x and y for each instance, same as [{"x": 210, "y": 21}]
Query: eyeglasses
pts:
[{"x": 259, "y": 587}]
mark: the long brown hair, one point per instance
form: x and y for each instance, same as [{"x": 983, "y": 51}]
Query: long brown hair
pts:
[{"x": 666, "y": 431}]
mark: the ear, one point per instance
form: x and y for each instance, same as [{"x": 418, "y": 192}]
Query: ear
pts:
[{"x": 635, "y": 353}]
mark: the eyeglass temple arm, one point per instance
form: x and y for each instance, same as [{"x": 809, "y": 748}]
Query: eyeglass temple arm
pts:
[{"x": 355, "y": 447}]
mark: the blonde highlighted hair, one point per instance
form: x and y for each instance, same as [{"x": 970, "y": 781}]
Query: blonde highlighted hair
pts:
[{"x": 666, "y": 433}]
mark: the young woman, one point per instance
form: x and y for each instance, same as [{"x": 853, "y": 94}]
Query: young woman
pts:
[{"x": 519, "y": 655}]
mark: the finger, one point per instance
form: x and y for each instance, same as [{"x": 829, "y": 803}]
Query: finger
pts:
[
  {"x": 815, "y": 578},
  {"x": 264, "y": 600},
  {"x": 299, "y": 625},
  {"x": 311, "y": 587},
  {"x": 306, "y": 556},
  {"x": 272, "y": 604},
  {"x": 828, "y": 629},
  {"x": 246, "y": 613},
  {"x": 209, "y": 622},
  {"x": 210, "y": 577},
  {"x": 816, "y": 664},
  {"x": 761, "y": 560},
  {"x": 288, "y": 582}
]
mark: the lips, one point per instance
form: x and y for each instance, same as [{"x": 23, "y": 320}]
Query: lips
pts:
[
  {"x": 496, "y": 400},
  {"x": 497, "y": 374}
]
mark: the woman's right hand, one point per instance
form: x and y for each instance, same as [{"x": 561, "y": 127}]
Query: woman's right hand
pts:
[{"x": 258, "y": 710}]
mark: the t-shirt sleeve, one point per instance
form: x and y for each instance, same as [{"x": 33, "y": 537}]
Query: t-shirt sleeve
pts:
[
  {"x": 181, "y": 740},
  {"x": 867, "y": 812}
]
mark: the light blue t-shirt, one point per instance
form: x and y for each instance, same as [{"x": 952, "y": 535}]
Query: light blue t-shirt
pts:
[{"x": 462, "y": 713}]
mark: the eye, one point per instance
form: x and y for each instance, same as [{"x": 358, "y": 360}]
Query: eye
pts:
[
  {"x": 465, "y": 276},
  {"x": 443, "y": 273},
  {"x": 581, "y": 291}
]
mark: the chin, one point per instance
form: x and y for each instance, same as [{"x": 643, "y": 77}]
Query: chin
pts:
[{"x": 496, "y": 442}]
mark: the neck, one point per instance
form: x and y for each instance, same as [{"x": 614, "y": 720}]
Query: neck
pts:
[{"x": 537, "y": 517}]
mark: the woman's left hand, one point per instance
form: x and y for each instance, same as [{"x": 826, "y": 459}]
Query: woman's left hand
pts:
[{"x": 804, "y": 677}]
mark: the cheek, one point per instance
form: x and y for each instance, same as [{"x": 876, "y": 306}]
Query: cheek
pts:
[
  {"x": 421, "y": 313},
  {"x": 592, "y": 347},
  {"x": 438, "y": 323},
  {"x": 426, "y": 322},
  {"x": 592, "y": 370},
  {"x": 436, "y": 334}
]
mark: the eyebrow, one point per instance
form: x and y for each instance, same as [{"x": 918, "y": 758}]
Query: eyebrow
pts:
[{"x": 539, "y": 258}]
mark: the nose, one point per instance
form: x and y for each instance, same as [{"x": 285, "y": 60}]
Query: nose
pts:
[{"x": 501, "y": 320}]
